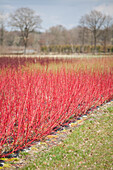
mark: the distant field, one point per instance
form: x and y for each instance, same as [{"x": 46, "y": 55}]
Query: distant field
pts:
[{"x": 59, "y": 55}]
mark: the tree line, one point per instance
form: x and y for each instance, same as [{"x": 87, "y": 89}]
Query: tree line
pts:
[{"x": 93, "y": 34}]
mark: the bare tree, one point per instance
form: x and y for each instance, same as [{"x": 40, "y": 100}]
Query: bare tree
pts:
[
  {"x": 112, "y": 34},
  {"x": 106, "y": 32},
  {"x": 84, "y": 34},
  {"x": 94, "y": 21},
  {"x": 73, "y": 36},
  {"x": 82, "y": 31},
  {"x": 56, "y": 34},
  {"x": 25, "y": 20},
  {"x": 2, "y": 27}
]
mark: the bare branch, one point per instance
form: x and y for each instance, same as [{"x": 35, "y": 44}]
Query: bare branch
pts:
[{"x": 25, "y": 20}]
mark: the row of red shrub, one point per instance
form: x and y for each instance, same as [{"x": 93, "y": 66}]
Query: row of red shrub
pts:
[
  {"x": 16, "y": 61},
  {"x": 32, "y": 104}
]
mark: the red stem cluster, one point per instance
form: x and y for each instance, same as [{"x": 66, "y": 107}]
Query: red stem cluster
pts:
[{"x": 32, "y": 104}]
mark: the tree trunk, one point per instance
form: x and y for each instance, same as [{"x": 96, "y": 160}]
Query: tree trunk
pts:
[
  {"x": 25, "y": 46},
  {"x": 2, "y": 36},
  {"x": 26, "y": 34},
  {"x": 105, "y": 45},
  {"x": 83, "y": 38},
  {"x": 95, "y": 41},
  {"x": 25, "y": 49}
]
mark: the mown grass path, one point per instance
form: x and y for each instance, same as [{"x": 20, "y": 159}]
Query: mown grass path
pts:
[{"x": 89, "y": 146}]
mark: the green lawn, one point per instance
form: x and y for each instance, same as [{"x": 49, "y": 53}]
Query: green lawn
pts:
[{"x": 89, "y": 146}]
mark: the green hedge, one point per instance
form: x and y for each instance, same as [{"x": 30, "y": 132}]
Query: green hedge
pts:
[{"x": 69, "y": 49}]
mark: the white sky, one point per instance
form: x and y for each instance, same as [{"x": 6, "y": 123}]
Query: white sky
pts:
[{"x": 59, "y": 12}]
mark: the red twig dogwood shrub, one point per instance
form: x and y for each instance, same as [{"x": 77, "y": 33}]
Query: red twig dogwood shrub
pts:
[{"x": 32, "y": 104}]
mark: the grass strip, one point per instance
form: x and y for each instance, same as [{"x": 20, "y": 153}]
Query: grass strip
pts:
[{"x": 90, "y": 146}]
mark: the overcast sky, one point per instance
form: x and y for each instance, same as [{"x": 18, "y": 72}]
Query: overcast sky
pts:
[{"x": 59, "y": 12}]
